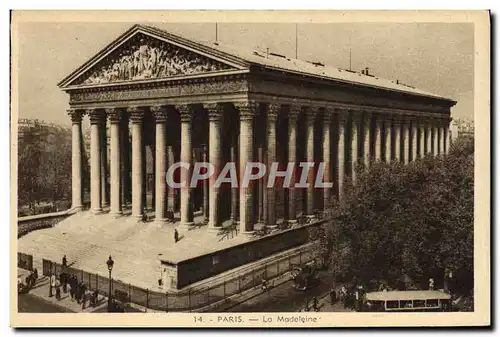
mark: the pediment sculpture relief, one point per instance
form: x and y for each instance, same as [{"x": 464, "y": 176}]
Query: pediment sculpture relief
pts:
[{"x": 143, "y": 57}]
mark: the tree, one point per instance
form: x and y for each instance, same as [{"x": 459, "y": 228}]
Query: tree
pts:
[{"x": 414, "y": 220}]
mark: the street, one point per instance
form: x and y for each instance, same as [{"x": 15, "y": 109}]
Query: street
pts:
[
  {"x": 35, "y": 304},
  {"x": 284, "y": 298}
]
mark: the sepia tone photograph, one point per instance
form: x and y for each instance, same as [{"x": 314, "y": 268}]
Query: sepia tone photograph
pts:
[{"x": 318, "y": 171}]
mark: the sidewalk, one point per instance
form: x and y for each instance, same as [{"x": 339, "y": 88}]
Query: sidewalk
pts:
[
  {"x": 325, "y": 305},
  {"x": 41, "y": 290}
]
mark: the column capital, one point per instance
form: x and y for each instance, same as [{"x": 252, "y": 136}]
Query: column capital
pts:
[
  {"x": 185, "y": 112},
  {"x": 327, "y": 114},
  {"x": 356, "y": 115},
  {"x": 247, "y": 109},
  {"x": 215, "y": 111},
  {"x": 114, "y": 114},
  {"x": 136, "y": 113},
  {"x": 96, "y": 116},
  {"x": 310, "y": 113},
  {"x": 160, "y": 113},
  {"x": 273, "y": 109},
  {"x": 76, "y": 115}
]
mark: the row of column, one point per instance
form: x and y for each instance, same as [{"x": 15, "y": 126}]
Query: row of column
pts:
[{"x": 358, "y": 137}]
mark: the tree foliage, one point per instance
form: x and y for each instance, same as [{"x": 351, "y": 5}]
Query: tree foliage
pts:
[
  {"x": 415, "y": 220},
  {"x": 44, "y": 165}
]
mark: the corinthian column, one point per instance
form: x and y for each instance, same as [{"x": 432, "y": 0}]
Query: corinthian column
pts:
[
  {"x": 429, "y": 145},
  {"x": 125, "y": 158},
  {"x": 160, "y": 117},
  {"x": 355, "y": 148},
  {"x": 414, "y": 139},
  {"x": 76, "y": 159},
  {"x": 421, "y": 128},
  {"x": 272, "y": 115},
  {"x": 388, "y": 153},
  {"x": 397, "y": 138},
  {"x": 247, "y": 112},
  {"x": 104, "y": 163},
  {"x": 292, "y": 158},
  {"x": 215, "y": 112},
  {"x": 341, "y": 150},
  {"x": 435, "y": 138},
  {"x": 186, "y": 114},
  {"x": 310, "y": 115},
  {"x": 96, "y": 117},
  {"x": 446, "y": 137},
  {"x": 367, "y": 123},
  {"x": 114, "y": 116},
  {"x": 405, "y": 131},
  {"x": 327, "y": 151},
  {"x": 136, "y": 116},
  {"x": 377, "y": 135}
]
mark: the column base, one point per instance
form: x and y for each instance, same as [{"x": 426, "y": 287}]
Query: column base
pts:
[
  {"x": 96, "y": 211},
  {"x": 215, "y": 230},
  {"x": 116, "y": 214},
  {"x": 186, "y": 225},
  {"x": 292, "y": 221},
  {"x": 272, "y": 226},
  {"x": 247, "y": 234},
  {"x": 309, "y": 216},
  {"x": 76, "y": 209}
]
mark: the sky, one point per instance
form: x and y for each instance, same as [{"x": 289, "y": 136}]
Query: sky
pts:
[{"x": 435, "y": 57}]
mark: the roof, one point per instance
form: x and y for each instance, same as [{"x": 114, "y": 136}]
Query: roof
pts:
[
  {"x": 407, "y": 295},
  {"x": 245, "y": 57}
]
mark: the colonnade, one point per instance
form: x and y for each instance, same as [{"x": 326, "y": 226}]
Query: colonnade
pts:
[{"x": 290, "y": 134}]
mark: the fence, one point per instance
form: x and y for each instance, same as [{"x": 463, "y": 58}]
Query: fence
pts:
[
  {"x": 183, "y": 301},
  {"x": 25, "y": 261}
]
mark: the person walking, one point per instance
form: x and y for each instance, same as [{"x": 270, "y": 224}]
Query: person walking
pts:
[
  {"x": 52, "y": 284},
  {"x": 431, "y": 284},
  {"x": 64, "y": 261},
  {"x": 58, "y": 289},
  {"x": 315, "y": 304},
  {"x": 176, "y": 235},
  {"x": 333, "y": 296}
]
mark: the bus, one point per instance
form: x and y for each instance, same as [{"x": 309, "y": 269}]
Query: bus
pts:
[{"x": 411, "y": 300}]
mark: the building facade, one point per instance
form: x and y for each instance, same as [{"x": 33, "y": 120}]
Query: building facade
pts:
[{"x": 186, "y": 101}]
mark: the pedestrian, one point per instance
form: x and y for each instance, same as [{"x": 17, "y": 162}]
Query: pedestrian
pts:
[
  {"x": 333, "y": 296},
  {"x": 64, "y": 281},
  {"x": 71, "y": 292},
  {"x": 315, "y": 304},
  {"x": 35, "y": 274},
  {"x": 58, "y": 290},
  {"x": 264, "y": 284},
  {"x": 431, "y": 284},
  {"x": 64, "y": 261},
  {"x": 306, "y": 308},
  {"x": 52, "y": 284},
  {"x": 357, "y": 297},
  {"x": 78, "y": 293},
  {"x": 176, "y": 235},
  {"x": 144, "y": 216},
  {"x": 84, "y": 299}
]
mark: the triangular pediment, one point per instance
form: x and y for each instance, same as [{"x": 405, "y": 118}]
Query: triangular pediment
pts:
[{"x": 143, "y": 56}]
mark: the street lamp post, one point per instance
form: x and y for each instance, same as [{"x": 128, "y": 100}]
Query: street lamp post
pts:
[{"x": 110, "y": 264}]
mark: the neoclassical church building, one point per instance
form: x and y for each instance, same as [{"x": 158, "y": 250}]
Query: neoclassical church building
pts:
[{"x": 174, "y": 99}]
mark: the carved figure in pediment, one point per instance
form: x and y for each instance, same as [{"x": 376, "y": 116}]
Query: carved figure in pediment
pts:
[{"x": 144, "y": 57}]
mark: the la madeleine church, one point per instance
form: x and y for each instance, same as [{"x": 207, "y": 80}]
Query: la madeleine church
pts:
[{"x": 175, "y": 99}]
